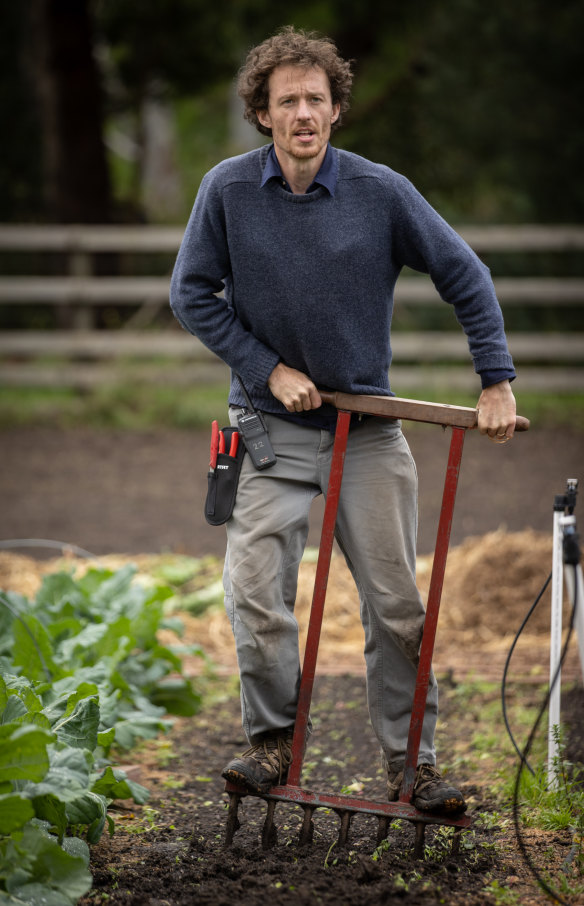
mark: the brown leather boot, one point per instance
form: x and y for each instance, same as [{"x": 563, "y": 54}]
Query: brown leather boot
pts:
[
  {"x": 431, "y": 792},
  {"x": 263, "y": 765}
]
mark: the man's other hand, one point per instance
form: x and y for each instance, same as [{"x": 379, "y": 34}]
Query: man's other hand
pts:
[
  {"x": 293, "y": 388},
  {"x": 497, "y": 412}
]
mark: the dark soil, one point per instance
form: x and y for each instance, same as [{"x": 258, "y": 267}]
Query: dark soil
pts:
[
  {"x": 126, "y": 492},
  {"x": 175, "y": 854}
]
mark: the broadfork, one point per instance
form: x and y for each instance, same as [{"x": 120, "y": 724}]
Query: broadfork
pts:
[{"x": 460, "y": 419}]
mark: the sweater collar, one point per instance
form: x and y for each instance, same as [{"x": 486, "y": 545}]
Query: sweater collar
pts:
[{"x": 326, "y": 176}]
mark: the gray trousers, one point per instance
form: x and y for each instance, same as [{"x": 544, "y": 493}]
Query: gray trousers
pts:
[{"x": 376, "y": 531}]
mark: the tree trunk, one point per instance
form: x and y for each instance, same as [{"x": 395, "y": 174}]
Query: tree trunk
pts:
[{"x": 77, "y": 186}]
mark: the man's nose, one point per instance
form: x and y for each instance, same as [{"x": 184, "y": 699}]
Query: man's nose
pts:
[{"x": 303, "y": 111}]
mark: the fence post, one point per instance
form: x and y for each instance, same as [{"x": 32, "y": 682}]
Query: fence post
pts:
[{"x": 80, "y": 266}]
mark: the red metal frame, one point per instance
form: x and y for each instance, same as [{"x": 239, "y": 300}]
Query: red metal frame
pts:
[
  {"x": 318, "y": 597},
  {"x": 432, "y": 610},
  {"x": 346, "y": 806}
]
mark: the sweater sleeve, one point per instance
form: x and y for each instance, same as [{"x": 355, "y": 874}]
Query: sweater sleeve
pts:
[
  {"x": 197, "y": 298},
  {"x": 426, "y": 243}
]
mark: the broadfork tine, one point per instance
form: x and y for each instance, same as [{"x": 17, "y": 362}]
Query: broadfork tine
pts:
[
  {"x": 307, "y": 829},
  {"x": 345, "y": 817},
  {"x": 269, "y": 832},
  {"x": 382, "y": 829},
  {"x": 233, "y": 823},
  {"x": 455, "y": 846},
  {"x": 419, "y": 845}
]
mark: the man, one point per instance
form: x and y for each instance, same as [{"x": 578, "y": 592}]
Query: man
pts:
[{"x": 307, "y": 242}]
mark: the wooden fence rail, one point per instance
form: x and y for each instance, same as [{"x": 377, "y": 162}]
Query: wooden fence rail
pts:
[
  {"x": 105, "y": 238},
  {"x": 92, "y": 291},
  {"x": 82, "y": 357},
  {"x": 427, "y": 346}
]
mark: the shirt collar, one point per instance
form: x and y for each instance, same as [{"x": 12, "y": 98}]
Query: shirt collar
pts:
[{"x": 326, "y": 176}]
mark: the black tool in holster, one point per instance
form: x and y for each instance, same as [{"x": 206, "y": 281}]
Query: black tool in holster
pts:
[
  {"x": 223, "y": 476},
  {"x": 227, "y": 457}
]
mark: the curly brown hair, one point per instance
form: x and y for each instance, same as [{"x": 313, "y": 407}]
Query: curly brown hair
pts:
[{"x": 291, "y": 47}]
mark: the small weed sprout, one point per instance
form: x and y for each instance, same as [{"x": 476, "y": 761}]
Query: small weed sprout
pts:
[
  {"x": 382, "y": 848},
  {"x": 326, "y": 861},
  {"x": 501, "y": 895},
  {"x": 147, "y": 823},
  {"x": 172, "y": 783},
  {"x": 440, "y": 845},
  {"x": 491, "y": 821}
]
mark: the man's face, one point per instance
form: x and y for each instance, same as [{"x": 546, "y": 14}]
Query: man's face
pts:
[{"x": 300, "y": 111}]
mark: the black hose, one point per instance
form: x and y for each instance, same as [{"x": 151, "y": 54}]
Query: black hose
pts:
[{"x": 506, "y": 669}]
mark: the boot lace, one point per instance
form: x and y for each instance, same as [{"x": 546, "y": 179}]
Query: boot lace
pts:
[
  {"x": 426, "y": 775},
  {"x": 273, "y": 753}
]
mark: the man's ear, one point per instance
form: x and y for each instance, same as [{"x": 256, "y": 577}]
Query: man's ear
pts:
[
  {"x": 264, "y": 118},
  {"x": 336, "y": 113}
]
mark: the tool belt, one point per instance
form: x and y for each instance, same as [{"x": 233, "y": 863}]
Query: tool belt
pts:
[{"x": 223, "y": 478}]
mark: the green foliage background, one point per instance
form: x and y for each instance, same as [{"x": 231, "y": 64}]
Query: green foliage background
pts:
[{"x": 479, "y": 104}]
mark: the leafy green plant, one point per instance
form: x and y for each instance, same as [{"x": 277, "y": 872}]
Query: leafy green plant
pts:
[{"x": 82, "y": 674}]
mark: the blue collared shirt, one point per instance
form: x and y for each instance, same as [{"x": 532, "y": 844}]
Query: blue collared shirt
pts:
[{"x": 326, "y": 176}]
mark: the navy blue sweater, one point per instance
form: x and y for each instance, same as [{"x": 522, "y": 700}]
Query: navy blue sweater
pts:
[{"x": 309, "y": 279}]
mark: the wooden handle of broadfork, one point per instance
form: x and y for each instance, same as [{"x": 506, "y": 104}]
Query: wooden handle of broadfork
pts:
[{"x": 412, "y": 410}]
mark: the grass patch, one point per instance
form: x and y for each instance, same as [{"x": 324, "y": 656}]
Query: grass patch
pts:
[
  {"x": 559, "y": 806},
  {"x": 133, "y": 406},
  {"x": 126, "y": 406}
]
